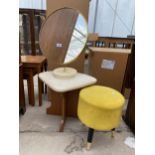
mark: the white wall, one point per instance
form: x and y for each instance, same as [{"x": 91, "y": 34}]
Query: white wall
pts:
[
  {"x": 33, "y": 4},
  {"x": 114, "y": 17},
  {"x": 91, "y": 17}
]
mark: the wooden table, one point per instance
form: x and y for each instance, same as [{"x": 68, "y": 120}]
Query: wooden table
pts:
[
  {"x": 33, "y": 65},
  {"x": 63, "y": 86}
]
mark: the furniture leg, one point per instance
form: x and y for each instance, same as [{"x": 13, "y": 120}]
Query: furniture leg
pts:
[
  {"x": 45, "y": 89},
  {"x": 31, "y": 89},
  {"x": 40, "y": 85},
  {"x": 62, "y": 123},
  {"x": 112, "y": 132},
  {"x": 22, "y": 106},
  {"x": 89, "y": 138},
  {"x": 45, "y": 67}
]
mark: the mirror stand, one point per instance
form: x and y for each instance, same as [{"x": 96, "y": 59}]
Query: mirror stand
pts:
[{"x": 64, "y": 72}]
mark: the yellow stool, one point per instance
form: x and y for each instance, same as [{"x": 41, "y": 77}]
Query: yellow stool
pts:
[{"x": 99, "y": 108}]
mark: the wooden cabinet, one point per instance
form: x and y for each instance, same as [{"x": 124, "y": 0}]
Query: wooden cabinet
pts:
[
  {"x": 108, "y": 65},
  {"x": 130, "y": 113}
]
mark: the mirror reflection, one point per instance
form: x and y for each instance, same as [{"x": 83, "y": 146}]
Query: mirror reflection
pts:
[
  {"x": 63, "y": 36},
  {"x": 78, "y": 39}
]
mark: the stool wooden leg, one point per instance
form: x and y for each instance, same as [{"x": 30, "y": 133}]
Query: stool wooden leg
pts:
[
  {"x": 40, "y": 91},
  {"x": 89, "y": 138},
  {"x": 45, "y": 68},
  {"x": 112, "y": 133},
  {"x": 31, "y": 89},
  {"x": 42, "y": 87}
]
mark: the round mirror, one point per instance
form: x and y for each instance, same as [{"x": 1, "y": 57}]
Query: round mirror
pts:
[{"x": 63, "y": 35}]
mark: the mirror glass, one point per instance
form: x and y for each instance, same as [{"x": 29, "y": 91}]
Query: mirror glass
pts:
[
  {"x": 63, "y": 35},
  {"x": 78, "y": 39}
]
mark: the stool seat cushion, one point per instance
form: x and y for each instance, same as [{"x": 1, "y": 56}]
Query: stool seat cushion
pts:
[
  {"x": 100, "y": 107},
  {"x": 102, "y": 97}
]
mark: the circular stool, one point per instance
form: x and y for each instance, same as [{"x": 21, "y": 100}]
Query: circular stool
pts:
[{"x": 99, "y": 108}]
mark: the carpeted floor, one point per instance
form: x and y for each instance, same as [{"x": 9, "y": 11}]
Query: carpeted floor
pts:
[{"x": 39, "y": 135}]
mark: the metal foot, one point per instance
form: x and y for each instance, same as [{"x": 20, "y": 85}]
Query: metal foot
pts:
[
  {"x": 62, "y": 123},
  {"x": 113, "y": 133},
  {"x": 89, "y": 138},
  {"x": 88, "y": 146}
]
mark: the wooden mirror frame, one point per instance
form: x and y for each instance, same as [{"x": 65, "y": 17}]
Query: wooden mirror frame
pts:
[{"x": 59, "y": 53}]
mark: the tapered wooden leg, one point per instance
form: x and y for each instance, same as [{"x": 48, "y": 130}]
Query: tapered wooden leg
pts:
[
  {"x": 89, "y": 138},
  {"x": 40, "y": 85},
  {"x": 22, "y": 106},
  {"x": 45, "y": 67},
  {"x": 31, "y": 89},
  {"x": 112, "y": 133},
  {"x": 62, "y": 123}
]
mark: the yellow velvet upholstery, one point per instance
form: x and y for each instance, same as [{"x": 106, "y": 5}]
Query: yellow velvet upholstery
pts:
[{"x": 100, "y": 107}]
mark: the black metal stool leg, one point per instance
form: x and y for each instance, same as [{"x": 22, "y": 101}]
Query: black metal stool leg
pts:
[{"x": 89, "y": 138}]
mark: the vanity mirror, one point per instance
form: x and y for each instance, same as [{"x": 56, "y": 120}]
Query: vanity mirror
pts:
[
  {"x": 63, "y": 35},
  {"x": 62, "y": 38}
]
